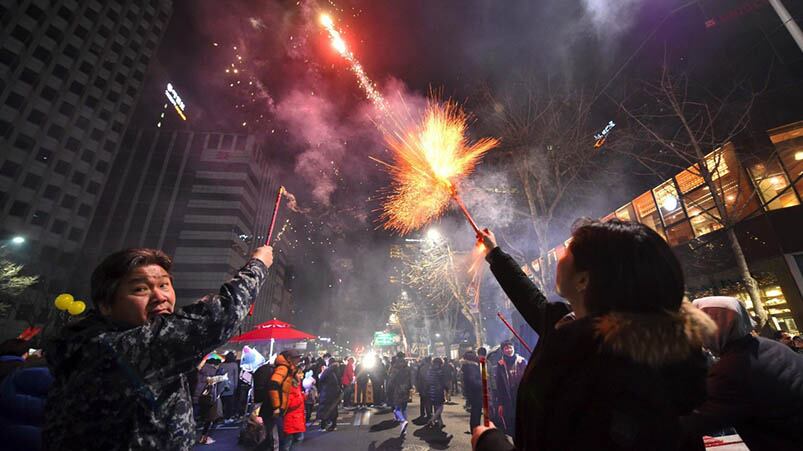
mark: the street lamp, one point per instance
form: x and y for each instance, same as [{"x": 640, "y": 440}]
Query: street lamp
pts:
[
  {"x": 437, "y": 335},
  {"x": 18, "y": 240}
]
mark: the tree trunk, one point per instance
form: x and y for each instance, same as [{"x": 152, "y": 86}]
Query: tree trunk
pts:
[
  {"x": 750, "y": 282},
  {"x": 403, "y": 336}
]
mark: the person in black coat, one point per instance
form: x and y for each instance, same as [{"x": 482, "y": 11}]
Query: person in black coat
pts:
[
  {"x": 437, "y": 385},
  {"x": 399, "y": 385},
  {"x": 330, "y": 394},
  {"x": 756, "y": 385},
  {"x": 422, "y": 387},
  {"x": 620, "y": 375},
  {"x": 472, "y": 387}
]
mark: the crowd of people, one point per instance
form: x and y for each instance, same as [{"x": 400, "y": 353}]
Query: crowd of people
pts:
[{"x": 626, "y": 363}]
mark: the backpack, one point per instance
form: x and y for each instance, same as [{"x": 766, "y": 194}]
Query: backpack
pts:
[{"x": 261, "y": 382}]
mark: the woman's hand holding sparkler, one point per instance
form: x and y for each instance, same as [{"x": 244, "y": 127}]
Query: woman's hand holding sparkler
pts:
[{"x": 488, "y": 240}]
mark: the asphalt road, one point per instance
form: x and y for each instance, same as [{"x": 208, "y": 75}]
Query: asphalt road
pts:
[{"x": 371, "y": 429}]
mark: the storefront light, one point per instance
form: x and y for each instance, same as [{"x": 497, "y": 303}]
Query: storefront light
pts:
[
  {"x": 773, "y": 292},
  {"x": 670, "y": 203}
]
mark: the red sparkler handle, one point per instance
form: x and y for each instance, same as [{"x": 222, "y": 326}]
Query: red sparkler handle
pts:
[
  {"x": 486, "y": 409},
  {"x": 462, "y": 206},
  {"x": 516, "y": 334},
  {"x": 270, "y": 230},
  {"x": 275, "y": 213}
]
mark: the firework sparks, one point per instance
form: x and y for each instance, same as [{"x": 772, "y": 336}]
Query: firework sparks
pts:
[
  {"x": 339, "y": 44},
  {"x": 429, "y": 162},
  {"x": 292, "y": 203}
]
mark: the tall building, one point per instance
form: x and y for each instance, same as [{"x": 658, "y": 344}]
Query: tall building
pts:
[
  {"x": 204, "y": 198},
  {"x": 72, "y": 72}
]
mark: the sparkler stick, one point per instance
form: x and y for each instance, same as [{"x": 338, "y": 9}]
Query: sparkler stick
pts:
[
  {"x": 462, "y": 206},
  {"x": 270, "y": 230},
  {"x": 486, "y": 409},
  {"x": 275, "y": 213},
  {"x": 516, "y": 334}
]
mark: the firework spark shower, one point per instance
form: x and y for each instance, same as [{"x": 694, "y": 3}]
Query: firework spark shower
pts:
[
  {"x": 429, "y": 159},
  {"x": 340, "y": 46}
]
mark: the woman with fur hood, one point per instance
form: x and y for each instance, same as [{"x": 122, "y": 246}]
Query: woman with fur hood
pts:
[{"x": 616, "y": 367}]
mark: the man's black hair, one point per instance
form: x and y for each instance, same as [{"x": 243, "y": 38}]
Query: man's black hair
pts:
[{"x": 107, "y": 275}]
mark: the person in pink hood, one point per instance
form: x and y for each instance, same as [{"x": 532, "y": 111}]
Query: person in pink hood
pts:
[{"x": 294, "y": 419}]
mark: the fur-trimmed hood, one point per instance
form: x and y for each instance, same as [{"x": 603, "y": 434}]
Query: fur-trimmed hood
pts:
[{"x": 655, "y": 339}]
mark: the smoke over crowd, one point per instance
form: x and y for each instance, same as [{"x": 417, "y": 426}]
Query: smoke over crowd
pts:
[{"x": 292, "y": 90}]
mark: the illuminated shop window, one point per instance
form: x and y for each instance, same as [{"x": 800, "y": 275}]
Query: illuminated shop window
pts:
[
  {"x": 626, "y": 213},
  {"x": 788, "y": 142},
  {"x": 773, "y": 185},
  {"x": 646, "y": 213},
  {"x": 666, "y": 196},
  {"x": 679, "y": 233},
  {"x": 774, "y": 303},
  {"x": 702, "y": 210}
]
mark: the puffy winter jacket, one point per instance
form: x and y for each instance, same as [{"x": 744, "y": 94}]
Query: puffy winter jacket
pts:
[
  {"x": 281, "y": 384},
  {"x": 294, "y": 419},
  {"x": 22, "y": 408}
]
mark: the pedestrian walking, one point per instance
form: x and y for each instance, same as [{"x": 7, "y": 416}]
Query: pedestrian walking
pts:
[
  {"x": 472, "y": 387},
  {"x": 122, "y": 369},
  {"x": 755, "y": 386},
  {"x": 228, "y": 398},
  {"x": 330, "y": 394},
  {"x": 348, "y": 382},
  {"x": 438, "y": 386},
  {"x": 363, "y": 378},
  {"x": 274, "y": 408},
  {"x": 620, "y": 375},
  {"x": 310, "y": 396},
  {"x": 450, "y": 374},
  {"x": 209, "y": 402},
  {"x": 399, "y": 385},
  {"x": 509, "y": 371},
  {"x": 422, "y": 387}
]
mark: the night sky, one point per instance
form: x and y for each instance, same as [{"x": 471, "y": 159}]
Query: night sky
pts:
[{"x": 305, "y": 103}]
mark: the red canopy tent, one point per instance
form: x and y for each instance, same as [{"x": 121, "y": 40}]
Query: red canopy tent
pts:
[{"x": 271, "y": 331}]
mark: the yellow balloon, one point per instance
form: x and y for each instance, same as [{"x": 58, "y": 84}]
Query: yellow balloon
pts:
[
  {"x": 77, "y": 307},
  {"x": 63, "y": 301}
]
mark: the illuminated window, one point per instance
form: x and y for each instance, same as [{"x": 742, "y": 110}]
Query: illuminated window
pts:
[
  {"x": 666, "y": 196},
  {"x": 646, "y": 213},
  {"x": 626, "y": 213},
  {"x": 679, "y": 233},
  {"x": 788, "y": 142},
  {"x": 773, "y": 185},
  {"x": 702, "y": 211}
]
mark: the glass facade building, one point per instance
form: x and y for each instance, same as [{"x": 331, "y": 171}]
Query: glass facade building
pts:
[{"x": 683, "y": 209}]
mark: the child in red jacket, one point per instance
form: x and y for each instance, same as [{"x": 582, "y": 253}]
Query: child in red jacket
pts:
[{"x": 294, "y": 419}]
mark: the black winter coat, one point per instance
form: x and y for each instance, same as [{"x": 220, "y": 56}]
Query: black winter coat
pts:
[
  {"x": 472, "y": 381},
  {"x": 437, "y": 384},
  {"x": 329, "y": 386},
  {"x": 616, "y": 382},
  {"x": 757, "y": 388},
  {"x": 399, "y": 383}
]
